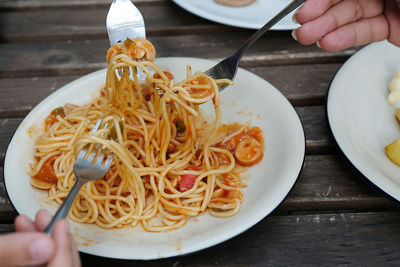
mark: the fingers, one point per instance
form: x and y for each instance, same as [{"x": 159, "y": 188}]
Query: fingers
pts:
[
  {"x": 343, "y": 13},
  {"x": 392, "y": 11},
  {"x": 356, "y": 34},
  {"x": 42, "y": 219},
  {"x": 31, "y": 248},
  {"x": 26, "y": 249},
  {"x": 66, "y": 254},
  {"x": 312, "y": 9},
  {"x": 24, "y": 224}
]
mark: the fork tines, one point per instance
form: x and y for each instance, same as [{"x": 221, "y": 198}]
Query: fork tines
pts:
[{"x": 94, "y": 151}]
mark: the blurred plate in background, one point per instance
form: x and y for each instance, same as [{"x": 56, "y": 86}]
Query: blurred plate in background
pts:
[{"x": 253, "y": 16}]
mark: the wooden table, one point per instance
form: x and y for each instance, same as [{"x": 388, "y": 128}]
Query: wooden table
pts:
[{"x": 330, "y": 217}]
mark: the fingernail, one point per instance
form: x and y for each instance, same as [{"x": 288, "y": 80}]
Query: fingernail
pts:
[
  {"x": 294, "y": 35},
  {"x": 294, "y": 18},
  {"x": 318, "y": 44},
  {"x": 39, "y": 250}
]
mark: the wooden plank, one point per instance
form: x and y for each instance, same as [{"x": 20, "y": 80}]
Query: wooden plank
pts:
[
  {"x": 339, "y": 188},
  {"x": 78, "y": 57},
  {"x": 318, "y": 140},
  {"x": 359, "y": 239},
  {"x": 20, "y": 95},
  {"x": 62, "y": 23},
  {"x": 7, "y": 211},
  {"x": 369, "y": 239},
  {"x": 303, "y": 85},
  {"x": 325, "y": 183},
  {"x": 34, "y": 4},
  {"x": 317, "y": 136},
  {"x": 313, "y": 118},
  {"x": 7, "y": 129}
]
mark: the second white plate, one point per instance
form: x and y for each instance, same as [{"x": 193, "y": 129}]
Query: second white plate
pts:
[{"x": 360, "y": 118}]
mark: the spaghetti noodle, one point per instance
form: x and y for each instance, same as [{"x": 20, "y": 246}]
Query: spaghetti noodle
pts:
[{"x": 169, "y": 163}]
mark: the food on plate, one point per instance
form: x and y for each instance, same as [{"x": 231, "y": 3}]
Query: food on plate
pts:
[
  {"x": 236, "y": 3},
  {"x": 394, "y": 90},
  {"x": 393, "y": 150},
  {"x": 398, "y": 115},
  {"x": 170, "y": 162}
]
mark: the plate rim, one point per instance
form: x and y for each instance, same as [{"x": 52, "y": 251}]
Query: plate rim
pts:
[
  {"x": 196, "y": 248},
  {"x": 339, "y": 148},
  {"x": 278, "y": 27}
]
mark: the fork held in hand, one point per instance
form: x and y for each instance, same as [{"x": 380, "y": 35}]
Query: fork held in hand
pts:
[
  {"x": 227, "y": 68},
  {"x": 86, "y": 168}
]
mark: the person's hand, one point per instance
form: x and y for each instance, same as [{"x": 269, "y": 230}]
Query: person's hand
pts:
[
  {"x": 30, "y": 246},
  {"x": 339, "y": 24}
]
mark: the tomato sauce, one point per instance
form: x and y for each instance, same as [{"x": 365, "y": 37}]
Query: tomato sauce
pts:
[{"x": 47, "y": 173}]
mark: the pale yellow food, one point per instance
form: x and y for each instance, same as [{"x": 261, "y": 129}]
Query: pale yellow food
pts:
[
  {"x": 398, "y": 115},
  {"x": 393, "y": 151},
  {"x": 394, "y": 90}
]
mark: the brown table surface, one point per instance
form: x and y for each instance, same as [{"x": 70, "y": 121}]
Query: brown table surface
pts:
[{"x": 331, "y": 216}]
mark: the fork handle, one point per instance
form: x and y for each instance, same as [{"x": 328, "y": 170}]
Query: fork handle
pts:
[
  {"x": 63, "y": 210},
  {"x": 289, "y": 8}
]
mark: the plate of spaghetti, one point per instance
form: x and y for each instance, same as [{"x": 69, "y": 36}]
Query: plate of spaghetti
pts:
[{"x": 192, "y": 166}]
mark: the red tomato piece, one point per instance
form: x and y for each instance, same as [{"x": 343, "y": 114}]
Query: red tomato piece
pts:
[
  {"x": 187, "y": 181},
  {"x": 47, "y": 173}
]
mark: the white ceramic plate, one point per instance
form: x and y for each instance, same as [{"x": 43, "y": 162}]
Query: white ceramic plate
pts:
[
  {"x": 361, "y": 120},
  {"x": 253, "y": 16},
  {"x": 251, "y": 98}
]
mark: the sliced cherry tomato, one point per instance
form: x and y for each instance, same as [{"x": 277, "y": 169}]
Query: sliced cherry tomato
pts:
[
  {"x": 232, "y": 143},
  {"x": 256, "y": 133},
  {"x": 248, "y": 152},
  {"x": 229, "y": 145},
  {"x": 240, "y": 137}
]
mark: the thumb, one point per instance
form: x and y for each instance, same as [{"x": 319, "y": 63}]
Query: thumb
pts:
[{"x": 27, "y": 248}]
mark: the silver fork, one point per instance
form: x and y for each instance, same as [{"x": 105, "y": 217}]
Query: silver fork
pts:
[
  {"x": 85, "y": 171},
  {"x": 227, "y": 68},
  {"x": 123, "y": 21}
]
